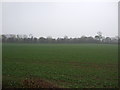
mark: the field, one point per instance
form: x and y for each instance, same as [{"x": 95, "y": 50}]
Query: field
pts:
[{"x": 60, "y": 65}]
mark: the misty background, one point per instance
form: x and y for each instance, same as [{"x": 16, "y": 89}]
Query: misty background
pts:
[{"x": 58, "y": 19}]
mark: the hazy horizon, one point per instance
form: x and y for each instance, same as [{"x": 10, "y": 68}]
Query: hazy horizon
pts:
[{"x": 60, "y": 19}]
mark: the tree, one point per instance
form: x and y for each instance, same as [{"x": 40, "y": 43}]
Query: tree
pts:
[
  {"x": 108, "y": 39},
  {"x": 99, "y": 35},
  {"x": 12, "y": 38},
  {"x": 4, "y": 38},
  {"x": 65, "y": 40},
  {"x": 65, "y": 37}
]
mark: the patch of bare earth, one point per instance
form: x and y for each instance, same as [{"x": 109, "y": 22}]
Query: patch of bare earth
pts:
[{"x": 38, "y": 83}]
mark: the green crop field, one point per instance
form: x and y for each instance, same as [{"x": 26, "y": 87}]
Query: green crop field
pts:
[{"x": 60, "y": 65}]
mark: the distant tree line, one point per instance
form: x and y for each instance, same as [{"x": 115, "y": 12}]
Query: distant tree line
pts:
[{"x": 12, "y": 38}]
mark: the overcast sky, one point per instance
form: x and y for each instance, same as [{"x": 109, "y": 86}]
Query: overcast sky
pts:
[{"x": 59, "y": 19}]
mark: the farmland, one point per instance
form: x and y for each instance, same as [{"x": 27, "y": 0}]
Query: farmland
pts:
[{"x": 60, "y": 65}]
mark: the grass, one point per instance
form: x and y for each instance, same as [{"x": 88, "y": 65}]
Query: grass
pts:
[{"x": 63, "y": 65}]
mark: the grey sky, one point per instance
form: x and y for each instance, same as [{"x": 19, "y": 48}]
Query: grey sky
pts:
[{"x": 60, "y": 19}]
